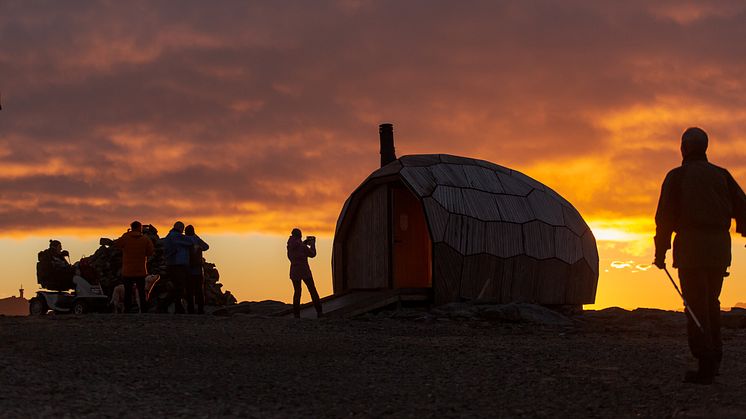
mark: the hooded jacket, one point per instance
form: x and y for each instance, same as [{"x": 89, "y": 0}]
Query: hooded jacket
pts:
[
  {"x": 176, "y": 248},
  {"x": 136, "y": 248},
  {"x": 697, "y": 202},
  {"x": 195, "y": 254},
  {"x": 298, "y": 254}
]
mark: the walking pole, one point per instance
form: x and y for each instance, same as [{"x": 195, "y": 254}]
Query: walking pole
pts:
[{"x": 686, "y": 305}]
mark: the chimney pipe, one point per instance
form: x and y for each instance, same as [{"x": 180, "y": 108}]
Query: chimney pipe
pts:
[{"x": 388, "y": 154}]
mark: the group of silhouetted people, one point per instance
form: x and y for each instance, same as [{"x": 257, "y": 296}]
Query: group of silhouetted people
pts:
[{"x": 182, "y": 250}]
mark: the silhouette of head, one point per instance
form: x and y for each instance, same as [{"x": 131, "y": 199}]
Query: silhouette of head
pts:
[
  {"x": 179, "y": 226},
  {"x": 136, "y": 226},
  {"x": 693, "y": 141},
  {"x": 189, "y": 230},
  {"x": 296, "y": 233},
  {"x": 55, "y": 244}
]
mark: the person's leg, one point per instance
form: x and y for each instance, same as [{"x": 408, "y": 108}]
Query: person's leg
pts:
[
  {"x": 127, "y": 293},
  {"x": 179, "y": 280},
  {"x": 140, "y": 283},
  {"x": 314, "y": 295},
  {"x": 199, "y": 292},
  {"x": 694, "y": 287},
  {"x": 296, "y": 297},
  {"x": 715, "y": 285},
  {"x": 177, "y": 285},
  {"x": 161, "y": 295},
  {"x": 167, "y": 288},
  {"x": 189, "y": 293}
]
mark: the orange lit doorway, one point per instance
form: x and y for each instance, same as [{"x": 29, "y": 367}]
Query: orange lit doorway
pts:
[{"x": 412, "y": 267}]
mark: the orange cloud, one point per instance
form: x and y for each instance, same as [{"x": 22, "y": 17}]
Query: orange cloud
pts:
[{"x": 256, "y": 118}]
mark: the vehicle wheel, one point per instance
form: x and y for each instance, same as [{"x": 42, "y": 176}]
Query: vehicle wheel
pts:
[
  {"x": 79, "y": 308},
  {"x": 37, "y": 306}
]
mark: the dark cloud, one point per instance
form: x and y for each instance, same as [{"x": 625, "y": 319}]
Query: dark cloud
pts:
[{"x": 157, "y": 109}]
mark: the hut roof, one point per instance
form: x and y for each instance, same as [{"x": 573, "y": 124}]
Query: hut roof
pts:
[{"x": 470, "y": 202}]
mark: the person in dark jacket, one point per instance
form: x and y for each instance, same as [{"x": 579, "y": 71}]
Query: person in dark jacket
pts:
[
  {"x": 136, "y": 248},
  {"x": 176, "y": 248},
  {"x": 195, "y": 289},
  {"x": 53, "y": 270},
  {"x": 298, "y": 252},
  {"x": 697, "y": 202},
  {"x": 57, "y": 256}
]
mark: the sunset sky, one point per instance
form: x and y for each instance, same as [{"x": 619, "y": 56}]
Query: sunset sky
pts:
[{"x": 247, "y": 119}]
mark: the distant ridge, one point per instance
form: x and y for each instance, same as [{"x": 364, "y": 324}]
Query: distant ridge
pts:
[
  {"x": 14, "y": 306},
  {"x": 740, "y": 305}
]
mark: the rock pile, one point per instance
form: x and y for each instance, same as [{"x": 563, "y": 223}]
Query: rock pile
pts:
[
  {"x": 106, "y": 265},
  {"x": 213, "y": 293}
]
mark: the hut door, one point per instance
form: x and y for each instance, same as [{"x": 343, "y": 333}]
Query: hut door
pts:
[{"x": 411, "y": 248}]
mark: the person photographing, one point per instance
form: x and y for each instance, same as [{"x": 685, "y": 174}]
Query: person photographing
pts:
[{"x": 299, "y": 251}]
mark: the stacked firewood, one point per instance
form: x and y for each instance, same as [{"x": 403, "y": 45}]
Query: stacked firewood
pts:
[{"x": 106, "y": 264}]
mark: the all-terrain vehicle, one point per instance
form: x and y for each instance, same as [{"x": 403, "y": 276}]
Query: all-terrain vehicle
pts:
[{"x": 57, "y": 281}]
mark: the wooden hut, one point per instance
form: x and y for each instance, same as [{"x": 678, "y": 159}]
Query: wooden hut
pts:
[{"x": 464, "y": 229}]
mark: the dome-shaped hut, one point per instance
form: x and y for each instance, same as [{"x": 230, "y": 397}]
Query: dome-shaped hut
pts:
[{"x": 464, "y": 228}]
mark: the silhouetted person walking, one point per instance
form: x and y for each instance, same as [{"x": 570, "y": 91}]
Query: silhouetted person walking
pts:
[
  {"x": 697, "y": 201},
  {"x": 299, "y": 251},
  {"x": 136, "y": 248},
  {"x": 176, "y": 249},
  {"x": 195, "y": 289}
]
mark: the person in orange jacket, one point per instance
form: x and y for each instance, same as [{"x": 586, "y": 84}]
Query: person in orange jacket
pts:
[{"x": 136, "y": 248}]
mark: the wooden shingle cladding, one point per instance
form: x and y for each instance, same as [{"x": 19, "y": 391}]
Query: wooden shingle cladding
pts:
[
  {"x": 496, "y": 233},
  {"x": 367, "y": 240}
]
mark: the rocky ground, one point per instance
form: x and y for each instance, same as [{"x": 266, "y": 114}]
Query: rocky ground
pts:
[{"x": 610, "y": 363}]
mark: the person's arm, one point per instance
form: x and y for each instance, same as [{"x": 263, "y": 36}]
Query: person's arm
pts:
[
  {"x": 739, "y": 204},
  {"x": 183, "y": 241},
  {"x": 666, "y": 216},
  {"x": 311, "y": 250},
  {"x": 201, "y": 243}
]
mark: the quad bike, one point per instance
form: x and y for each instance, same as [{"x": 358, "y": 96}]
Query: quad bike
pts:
[{"x": 83, "y": 299}]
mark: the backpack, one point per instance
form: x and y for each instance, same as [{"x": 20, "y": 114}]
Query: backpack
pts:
[{"x": 43, "y": 266}]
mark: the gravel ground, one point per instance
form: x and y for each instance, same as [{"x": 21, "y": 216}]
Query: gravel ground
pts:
[{"x": 606, "y": 365}]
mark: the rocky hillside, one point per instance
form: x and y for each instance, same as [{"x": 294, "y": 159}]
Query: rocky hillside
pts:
[
  {"x": 13, "y": 306},
  {"x": 458, "y": 362}
]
